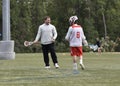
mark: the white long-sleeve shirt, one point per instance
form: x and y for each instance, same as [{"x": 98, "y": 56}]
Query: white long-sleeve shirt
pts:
[
  {"x": 46, "y": 33},
  {"x": 75, "y": 36}
]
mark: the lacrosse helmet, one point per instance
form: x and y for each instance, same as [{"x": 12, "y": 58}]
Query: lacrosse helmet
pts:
[{"x": 72, "y": 19}]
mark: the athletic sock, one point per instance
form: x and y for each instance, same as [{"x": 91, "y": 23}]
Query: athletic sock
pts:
[
  {"x": 75, "y": 66},
  {"x": 81, "y": 60}
]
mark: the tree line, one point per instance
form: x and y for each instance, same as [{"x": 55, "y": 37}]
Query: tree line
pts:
[{"x": 27, "y": 15}]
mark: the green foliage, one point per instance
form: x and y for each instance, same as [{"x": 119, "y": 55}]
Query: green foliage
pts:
[
  {"x": 86, "y": 49},
  {"x": 109, "y": 45},
  {"x": 27, "y": 15},
  {"x": 90, "y": 30},
  {"x": 117, "y": 48},
  {"x": 62, "y": 47},
  {"x": 25, "y": 19}
]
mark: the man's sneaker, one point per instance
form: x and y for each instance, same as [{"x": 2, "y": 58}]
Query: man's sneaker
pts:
[
  {"x": 82, "y": 66},
  {"x": 47, "y": 67},
  {"x": 56, "y": 65}
]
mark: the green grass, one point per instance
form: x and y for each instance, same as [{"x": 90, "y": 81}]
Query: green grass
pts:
[{"x": 28, "y": 70}]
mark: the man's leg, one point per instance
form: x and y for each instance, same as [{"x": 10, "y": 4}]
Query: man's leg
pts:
[
  {"x": 53, "y": 55},
  {"x": 45, "y": 55}
]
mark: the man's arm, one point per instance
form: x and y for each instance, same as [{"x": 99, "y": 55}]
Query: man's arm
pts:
[{"x": 54, "y": 33}]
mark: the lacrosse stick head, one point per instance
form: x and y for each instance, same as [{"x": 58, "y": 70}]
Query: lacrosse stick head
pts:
[{"x": 27, "y": 43}]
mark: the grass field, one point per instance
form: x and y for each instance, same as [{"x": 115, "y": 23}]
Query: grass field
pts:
[{"x": 28, "y": 70}]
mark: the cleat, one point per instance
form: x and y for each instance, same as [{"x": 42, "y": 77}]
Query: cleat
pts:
[{"x": 82, "y": 66}]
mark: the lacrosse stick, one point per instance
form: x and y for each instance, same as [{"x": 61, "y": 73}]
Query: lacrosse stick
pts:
[{"x": 27, "y": 43}]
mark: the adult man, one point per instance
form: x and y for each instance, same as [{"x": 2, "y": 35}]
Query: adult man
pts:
[
  {"x": 47, "y": 34},
  {"x": 75, "y": 36}
]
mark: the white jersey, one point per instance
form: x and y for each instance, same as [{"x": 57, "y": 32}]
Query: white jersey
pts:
[
  {"x": 75, "y": 35},
  {"x": 46, "y": 34}
]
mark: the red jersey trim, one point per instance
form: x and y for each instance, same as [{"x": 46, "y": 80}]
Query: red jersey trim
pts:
[{"x": 76, "y": 26}]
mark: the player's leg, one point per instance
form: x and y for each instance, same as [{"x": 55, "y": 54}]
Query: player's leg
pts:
[
  {"x": 75, "y": 63},
  {"x": 81, "y": 62},
  {"x": 80, "y": 54},
  {"x": 74, "y": 55},
  {"x": 99, "y": 50},
  {"x": 81, "y": 59},
  {"x": 53, "y": 55},
  {"x": 45, "y": 55}
]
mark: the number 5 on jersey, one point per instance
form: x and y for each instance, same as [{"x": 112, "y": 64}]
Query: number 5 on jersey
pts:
[{"x": 78, "y": 34}]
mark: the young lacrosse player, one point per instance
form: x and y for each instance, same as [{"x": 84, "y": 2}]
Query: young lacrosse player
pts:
[{"x": 76, "y": 37}]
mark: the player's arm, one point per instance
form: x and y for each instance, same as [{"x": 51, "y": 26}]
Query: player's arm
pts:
[
  {"x": 84, "y": 38},
  {"x": 67, "y": 37},
  {"x": 37, "y": 36}
]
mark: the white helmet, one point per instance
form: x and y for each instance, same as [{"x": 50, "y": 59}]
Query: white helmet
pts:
[{"x": 73, "y": 19}]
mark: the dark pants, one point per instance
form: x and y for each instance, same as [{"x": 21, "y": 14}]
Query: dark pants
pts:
[{"x": 46, "y": 49}]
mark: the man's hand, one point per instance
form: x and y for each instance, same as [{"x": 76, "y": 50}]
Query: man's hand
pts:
[
  {"x": 53, "y": 40},
  {"x": 36, "y": 42}
]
